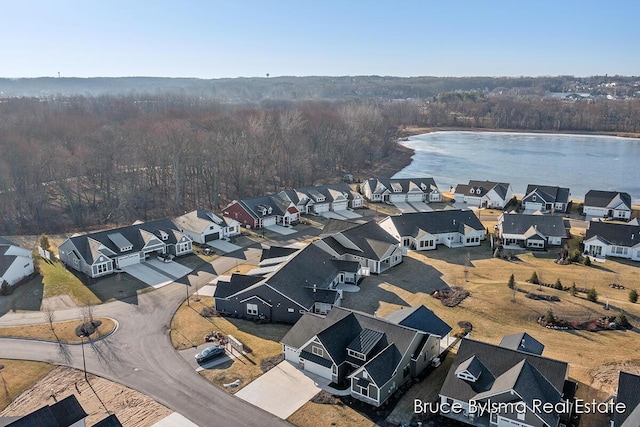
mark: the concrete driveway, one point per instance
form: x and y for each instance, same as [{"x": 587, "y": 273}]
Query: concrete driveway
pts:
[
  {"x": 404, "y": 207},
  {"x": 223, "y": 246},
  {"x": 421, "y": 207},
  {"x": 281, "y": 230},
  {"x": 172, "y": 269},
  {"x": 148, "y": 275},
  {"x": 282, "y": 390},
  {"x": 350, "y": 214}
]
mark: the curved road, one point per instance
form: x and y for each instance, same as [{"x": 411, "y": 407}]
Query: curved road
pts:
[{"x": 140, "y": 355}]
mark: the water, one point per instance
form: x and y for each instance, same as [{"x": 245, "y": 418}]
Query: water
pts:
[{"x": 580, "y": 162}]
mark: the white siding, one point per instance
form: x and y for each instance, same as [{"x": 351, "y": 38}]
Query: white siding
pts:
[
  {"x": 130, "y": 259},
  {"x": 266, "y": 222}
]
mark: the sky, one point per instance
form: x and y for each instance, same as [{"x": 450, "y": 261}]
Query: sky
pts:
[{"x": 253, "y": 38}]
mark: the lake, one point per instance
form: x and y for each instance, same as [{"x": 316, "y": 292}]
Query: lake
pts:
[{"x": 580, "y": 162}]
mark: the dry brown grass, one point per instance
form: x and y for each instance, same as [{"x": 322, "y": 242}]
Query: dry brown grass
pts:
[
  {"x": 318, "y": 415},
  {"x": 493, "y": 314},
  {"x": 261, "y": 341},
  {"x": 63, "y": 331},
  {"x": 18, "y": 376},
  {"x": 241, "y": 269}
]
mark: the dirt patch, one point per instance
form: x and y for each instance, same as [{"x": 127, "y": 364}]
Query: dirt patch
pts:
[
  {"x": 132, "y": 408},
  {"x": 58, "y": 302},
  {"x": 605, "y": 377}
]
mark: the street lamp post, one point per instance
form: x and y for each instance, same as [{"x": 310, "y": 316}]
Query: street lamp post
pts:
[
  {"x": 187, "y": 288},
  {"x": 84, "y": 361}
]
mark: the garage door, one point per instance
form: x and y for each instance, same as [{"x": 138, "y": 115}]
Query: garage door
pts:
[
  {"x": 321, "y": 208},
  {"x": 126, "y": 260},
  {"x": 506, "y": 422},
  {"x": 269, "y": 221},
  {"x": 212, "y": 236},
  {"x": 414, "y": 197},
  {"x": 320, "y": 370},
  {"x": 340, "y": 206},
  {"x": 533, "y": 206},
  {"x": 397, "y": 198}
]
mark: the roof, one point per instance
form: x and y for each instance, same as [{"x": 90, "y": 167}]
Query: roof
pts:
[
  {"x": 200, "y": 220},
  {"x": 436, "y": 222},
  {"x": 549, "y": 194},
  {"x": 277, "y": 202},
  {"x": 614, "y": 234},
  {"x": 519, "y": 223},
  {"x": 404, "y": 185},
  {"x": 237, "y": 283},
  {"x": 277, "y": 252},
  {"x": 61, "y": 414},
  {"x": 367, "y": 240},
  {"x": 6, "y": 242},
  {"x": 629, "y": 394},
  {"x": 365, "y": 341},
  {"x": 480, "y": 188},
  {"x": 530, "y": 375},
  {"x": 337, "y": 225},
  {"x": 604, "y": 199},
  {"x": 382, "y": 366},
  {"x": 420, "y": 318},
  {"x": 522, "y": 341},
  {"x": 110, "y": 421}
]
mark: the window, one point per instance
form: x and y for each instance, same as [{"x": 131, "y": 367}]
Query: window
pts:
[
  {"x": 318, "y": 351},
  {"x": 356, "y": 354},
  {"x": 252, "y": 309},
  {"x": 334, "y": 369},
  {"x": 102, "y": 268},
  {"x": 290, "y": 310},
  {"x": 362, "y": 390},
  {"x": 534, "y": 198}
]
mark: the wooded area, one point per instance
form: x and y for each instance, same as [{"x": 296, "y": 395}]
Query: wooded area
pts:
[{"x": 82, "y": 162}]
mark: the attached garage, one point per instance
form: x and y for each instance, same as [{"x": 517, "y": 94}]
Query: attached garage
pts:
[
  {"x": 397, "y": 197},
  {"x": 322, "y": 207},
  {"x": 533, "y": 206},
  {"x": 506, "y": 422},
  {"x": 414, "y": 197},
  {"x": 130, "y": 259},
  {"x": 340, "y": 206},
  {"x": 212, "y": 236},
  {"x": 316, "y": 365},
  {"x": 266, "y": 222}
]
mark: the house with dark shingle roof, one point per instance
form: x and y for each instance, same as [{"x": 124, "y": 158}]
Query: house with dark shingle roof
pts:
[
  {"x": 535, "y": 231},
  {"x": 374, "y": 355},
  {"x": 368, "y": 244},
  {"x": 16, "y": 263},
  {"x": 424, "y": 230},
  {"x": 544, "y": 198},
  {"x": 263, "y": 211},
  {"x": 103, "y": 252},
  {"x": 307, "y": 281},
  {"x": 522, "y": 341},
  {"x": 64, "y": 413},
  {"x": 401, "y": 190},
  {"x": 203, "y": 226},
  {"x": 486, "y": 373},
  {"x": 611, "y": 239},
  {"x": 485, "y": 194},
  {"x": 607, "y": 204},
  {"x": 629, "y": 394},
  {"x": 323, "y": 198}
]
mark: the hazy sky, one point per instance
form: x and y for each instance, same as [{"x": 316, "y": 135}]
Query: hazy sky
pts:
[{"x": 212, "y": 39}]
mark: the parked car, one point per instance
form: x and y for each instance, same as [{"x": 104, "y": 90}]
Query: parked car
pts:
[
  {"x": 165, "y": 257},
  {"x": 210, "y": 353}
]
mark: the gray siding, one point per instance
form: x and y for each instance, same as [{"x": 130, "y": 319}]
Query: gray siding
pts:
[{"x": 278, "y": 312}]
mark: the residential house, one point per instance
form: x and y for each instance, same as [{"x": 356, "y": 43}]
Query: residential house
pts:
[
  {"x": 629, "y": 394},
  {"x": 483, "y": 373},
  {"x": 263, "y": 211},
  {"x": 375, "y": 356},
  {"x": 401, "y": 190},
  {"x": 66, "y": 412},
  {"x": 485, "y": 194},
  {"x": 535, "y": 231},
  {"x": 424, "y": 230},
  {"x": 607, "y": 204},
  {"x": 307, "y": 281},
  {"x": 368, "y": 244},
  {"x": 611, "y": 239},
  {"x": 203, "y": 226},
  {"x": 323, "y": 198},
  {"x": 103, "y": 252},
  {"x": 16, "y": 263},
  {"x": 545, "y": 199}
]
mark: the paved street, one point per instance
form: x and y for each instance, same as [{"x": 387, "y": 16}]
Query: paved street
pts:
[{"x": 139, "y": 355}]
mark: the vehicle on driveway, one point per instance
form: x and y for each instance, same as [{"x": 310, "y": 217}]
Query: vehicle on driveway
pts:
[
  {"x": 165, "y": 257},
  {"x": 210, "y": 353}
]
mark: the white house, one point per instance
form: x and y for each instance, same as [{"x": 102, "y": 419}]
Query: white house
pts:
[
  {"x": 404, "y": 190},
  {"x": 607, "y": 204},
  {"x": 16, "y": 263},
  {"x": 546, "y": 199},
  {"x": 531, "y": 231},
  {"x": 611, "y": 239},
  {"x": 203, "y": 226},
  {"x": 485, "y": 194}
]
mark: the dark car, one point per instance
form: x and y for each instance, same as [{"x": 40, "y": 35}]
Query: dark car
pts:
[{"x": 210, "y": 353}]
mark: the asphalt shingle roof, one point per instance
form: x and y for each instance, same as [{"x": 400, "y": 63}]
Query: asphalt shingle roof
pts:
[
  {"x": 549, "y": 194},
  {"x": 549, "y": 226},
  {"x": 629, "y": 394},
  {"x": 436, "y": 222},
  {"x": 61, "y": 414},
  {"x": 522, "y": 341},
  {"x": 614, "y": 234},
  {"x": 500, "y": 188},
  {"x": 420, "y": 318},
  {"x": 602, "y": 199}
]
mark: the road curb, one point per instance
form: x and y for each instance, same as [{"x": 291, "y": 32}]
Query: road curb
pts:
[{"x": 113, "y": 331}]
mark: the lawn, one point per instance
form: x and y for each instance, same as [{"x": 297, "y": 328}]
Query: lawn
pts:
[
  {"x": 261, "y": 341},
  {"x": 59, "y": 281},
  {"x": 322, "y": 415},
  {"x": 18, "y": 376},
  {"x": 63, "y": 331}
]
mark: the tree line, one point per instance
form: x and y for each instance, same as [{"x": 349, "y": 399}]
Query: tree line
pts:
[{"x": 80, "y": 162}]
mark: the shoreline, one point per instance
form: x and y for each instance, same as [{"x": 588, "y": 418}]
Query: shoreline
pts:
[{"x": 415, "y": 130}]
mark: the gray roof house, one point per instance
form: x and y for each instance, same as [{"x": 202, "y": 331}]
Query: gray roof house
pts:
[
  {"x": 611, "y": 239},
  {"x": 203, "y": 226},
  {"x": 629, "y": 394},
  {"x": 103, "y": 252},
  {"x": 607, "y": 204},
  {"x": 375, "y": 356},
  {"x": 263, "y": 211},
  {"x": 535, "y": 231},
  {"x": 306, "y": 281},
  {"x": 424, "y": 230},
  {"x": 16, "y": 263},
  {"x": 483, "y": 372},
  {"x": 544, "y": 198},
  {"x": 486, "y": 194},
  {"x": 401, "y": 190},
  {"x": 323, "y": 198},
  {"x": 522, "y": 341},
  {"x": 64, "y": 413}
]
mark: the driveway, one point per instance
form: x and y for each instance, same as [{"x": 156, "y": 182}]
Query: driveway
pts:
[
  {"x": 350, "y": 214},
  {"x": 223, "y": 246},
  {"x": 421, "y": 207},
  {"x": 282, "y": 390},
  {"x": 153, "y": 277},
  {"x": 404, "y": 207},
  {"x": 281, "y": 230},
  {"x": 172, "y": 269}
]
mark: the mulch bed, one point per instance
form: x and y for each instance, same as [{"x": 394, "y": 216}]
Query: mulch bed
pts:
[{"x": 451, "y": 297}]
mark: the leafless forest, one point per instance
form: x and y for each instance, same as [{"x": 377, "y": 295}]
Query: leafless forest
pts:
[{"x": 81, "y": 162}]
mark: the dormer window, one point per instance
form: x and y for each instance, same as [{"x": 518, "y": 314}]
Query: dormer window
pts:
[
  {"x": 472, "y": 191},
  {"x": 163, "y": 235},
  {"x": 356, "y": 354},
  {"x": 534, "y": 198},
  {"x": 423, "y": 186},
  {"x": 126, "y": 248}
]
